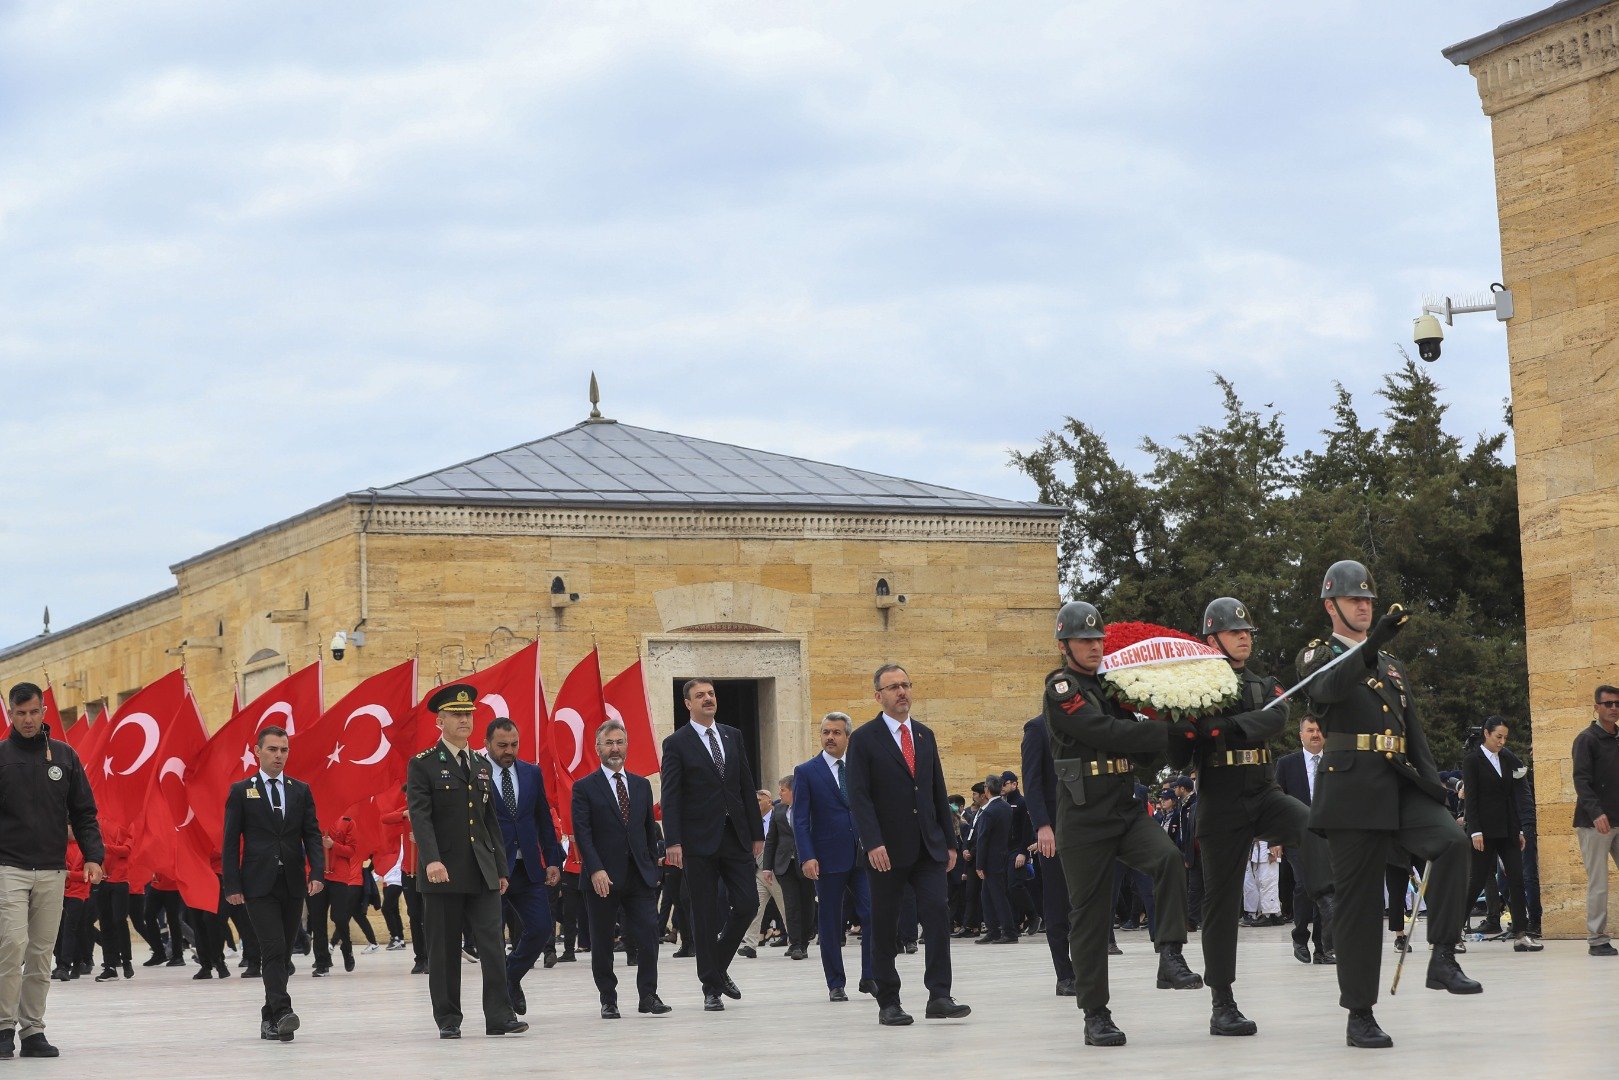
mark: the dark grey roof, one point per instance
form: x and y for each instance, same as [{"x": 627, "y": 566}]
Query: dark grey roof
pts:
[
  {"x": 607, "y": 464},
  {"x": 1465, "y": 52}
]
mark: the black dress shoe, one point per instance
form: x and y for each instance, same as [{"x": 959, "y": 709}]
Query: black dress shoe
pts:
[
  {"x": 320, "y": 972},
  {"x": 36, "y": 1046},
  {"x": 1326, "y": 958},
  {"x": 1401, "y": 944},
  {"x": 286, "y": 1024},
  {"x": 1445, "y": 974},
  {"x": 1363, "y": 1032},
  {"x": 910, "y": 948},
  {"x": 1605, "y": 949},
  {"x": 749, "y": 951},
  {"x": 1173, "y": 974},
  {"x": 893, "y": 1016},
  {"x": 178, "y": 961},
  {"x": 1113, "y": 949},
  {"x": 205, "y": 973},
  {"x": 1227, "y": 1019},
  {"x": 519, "y": 999},
  {"x": 1009, "y": 939},
  {"x": 1100, "y": 1029},
  {"x": 796, "y": 953},
  {"x": 610, "y": 1012},
  {"x": 221, "y": 971},
  {"x": 129, "y": 970},
  {"x": 59, "y": 974},
  {"x": 1065, "y": 988},
  {"x": 419, "y": 968},
  {"x": 550, "y": 960},
  {"x": 987, "y": 939},
  {"x": 252, "y": 972},
  {"x": 267, "y": 1031},
  {"x": 449, "y": 1033},
  {"x": 728, "y": 988},
  {"x": 568, "y": 957},
  {"x": 107, "y": 975},
  {"x": 946, "y": 1008},
  {"x": 1301, "y": 952},
  {"x": 159, "y": 957},
  {"x": 836, "y": 994},
  {"x": 513, "y": 1026},
  {"x": 682, "y": 951},
  {"x": 867, "y": 986},
  {"x": 712, "y": 1003},
  {"x": 653, "y": 1005},
  {"x": 348, "y": 961}
]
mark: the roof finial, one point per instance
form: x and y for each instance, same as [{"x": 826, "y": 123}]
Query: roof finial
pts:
[{"x": 596, "y": 416}]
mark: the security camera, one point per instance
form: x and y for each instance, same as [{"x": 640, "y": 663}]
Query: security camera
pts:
[
  {"x": 1427, "y": 333},
  {"x": 340, "y": 644}
]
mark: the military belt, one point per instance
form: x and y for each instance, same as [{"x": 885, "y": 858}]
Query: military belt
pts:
[
  {"x": 1109, "y": 766},
  {"x": 1377, "y": 744},
  {"x": 1239, "y": 757}
]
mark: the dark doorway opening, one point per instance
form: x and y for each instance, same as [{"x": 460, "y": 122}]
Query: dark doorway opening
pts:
[{"x": 738, "y": 708}]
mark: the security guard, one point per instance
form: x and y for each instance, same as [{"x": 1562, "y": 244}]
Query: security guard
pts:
[
  {"x": 1098, "y": 820},
  {"x": 451, "y": 796},
  {"x": 1238, "y": 801},
  {"x": 1378, "y": 785}
]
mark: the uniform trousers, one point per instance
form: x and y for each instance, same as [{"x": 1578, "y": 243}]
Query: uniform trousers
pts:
[
  {"x": 1087, "y": 854},
  {"x": 445, "y": 914},
  {"x": 1267, "y": 815},
  {"x": 1359, "y": 857}
]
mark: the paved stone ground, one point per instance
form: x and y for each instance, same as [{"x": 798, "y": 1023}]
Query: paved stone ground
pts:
[{"x": 1545, "y": 1014}]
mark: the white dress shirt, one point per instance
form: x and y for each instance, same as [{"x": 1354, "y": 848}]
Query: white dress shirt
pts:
[{"x": 702, "y": 730}]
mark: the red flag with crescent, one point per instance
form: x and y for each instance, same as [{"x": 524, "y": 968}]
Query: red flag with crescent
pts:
[
  {"x": 359, "y": 746},
  {"x": 628, "y": 702},
  {"x": 580, "y": 710},
  {"x": 166, "y": 838},
  {"x": 127, "y": 760}
]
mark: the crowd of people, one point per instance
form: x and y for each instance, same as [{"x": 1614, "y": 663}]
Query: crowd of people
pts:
[{"x": 860, "y": 843}]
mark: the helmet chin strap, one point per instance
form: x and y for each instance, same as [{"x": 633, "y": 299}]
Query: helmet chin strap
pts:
[{"x": 1219, "y": 643}]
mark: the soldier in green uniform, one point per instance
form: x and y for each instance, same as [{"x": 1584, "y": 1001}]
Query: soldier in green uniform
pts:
[
  {"x": 1093, "y": 740},
  {"x": 1378, "y": 786},
  {"x": 452, "y": 814},
  {"x": 1238, "y": 802}
]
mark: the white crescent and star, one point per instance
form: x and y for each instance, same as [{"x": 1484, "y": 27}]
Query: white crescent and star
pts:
[
  {"x": 384, "y": 721},
  {"x": 148, "y": 726},
  {"x": 575, "y": 723},
  {"x": 175, "y": 767},
  {"x": 280, "y": 708}
]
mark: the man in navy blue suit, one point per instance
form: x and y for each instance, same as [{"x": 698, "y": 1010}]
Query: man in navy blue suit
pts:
[
  {"x": 533, "y": 856},
  {"x": 829, "y": 852},
  {"x": 618, "y": 858}
]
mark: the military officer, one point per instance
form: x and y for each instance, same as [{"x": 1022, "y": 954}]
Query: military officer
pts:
[
  {"x": 1098, "y": 820},
  {"x": 1378, "y": 784},
  {"x": 452, "y": 814},
  {"x": 1238, "y": 801}
]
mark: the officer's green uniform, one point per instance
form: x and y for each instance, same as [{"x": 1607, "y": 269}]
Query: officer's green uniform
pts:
[
  {"x": 1378, "y": 783},
  {"x": 1098, "y": 820},
  {"x": 452, "y": 816}
]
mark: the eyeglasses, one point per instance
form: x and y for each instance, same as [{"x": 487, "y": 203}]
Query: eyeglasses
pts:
[
  {"x": 895, "y": 686},
  {"x": 1608, "y": 704}
]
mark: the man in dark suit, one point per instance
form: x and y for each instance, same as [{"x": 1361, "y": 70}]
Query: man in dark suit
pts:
[
  {"x": 714, "y": 833},
  {"x": 992, "y": 851},
  {"x": 533, "y": 856},
  {"x": 1295, "y": 775},
  {"x": 617, "y": 840},
  {"x": 1490, "y": 774},
  {"x": 781, "y": 866},
  {"x": 270, "y": 832},
  {"x": 451, "y": 796},
  {"x": 1040, "y": 792},
  {"x": 897, "y": 793},
  {"x": 828, "y": 844}
]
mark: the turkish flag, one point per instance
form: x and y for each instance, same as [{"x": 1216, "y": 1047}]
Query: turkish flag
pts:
[
  {"x": 510, "y": 689},
  {"x": 292, "y": 703},
  {"x": 127, "y": 761},
  {"x": 53, "y": 715},
  {"x": 359, "y": 746},
  {"x": 628, "y": 702},
  {"x": 167, "y": 839},
  {"x": 579, "y": 711}
]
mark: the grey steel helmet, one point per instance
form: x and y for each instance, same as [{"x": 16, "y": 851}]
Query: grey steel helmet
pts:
[
  {"x": 1226, "y": 613},
  {"x": 1347, "y": 577},
  {"x": 1077, "y": 619}
]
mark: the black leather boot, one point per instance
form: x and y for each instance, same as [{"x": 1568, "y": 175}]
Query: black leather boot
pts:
[
  {"x": 1445, "y": 974},
  {"x": 1364, "y": 1033},
  {"x": 1173, "y": 974},
  {"x": 1227, "y": 1019},
  {"x": 1100, "y": 1030}
]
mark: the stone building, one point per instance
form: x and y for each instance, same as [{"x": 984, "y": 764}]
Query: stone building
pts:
[
  {"x": 1550, "y": 84},
  {"x": 787, "y": 580}
]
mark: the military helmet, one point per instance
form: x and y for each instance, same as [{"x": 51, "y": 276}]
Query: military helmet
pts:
[
  {"x": 1077, "y": 619},
  {"x": 1346, "y": 577},
  {"x": 1226, "y": 613}
]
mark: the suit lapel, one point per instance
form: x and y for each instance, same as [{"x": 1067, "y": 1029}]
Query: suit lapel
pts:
[
  {"x": 707, "y": 752},
  {"x": 892, "y": 742}
]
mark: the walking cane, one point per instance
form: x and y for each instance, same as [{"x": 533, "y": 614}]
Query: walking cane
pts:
[{"x": 1410, "y": 925}]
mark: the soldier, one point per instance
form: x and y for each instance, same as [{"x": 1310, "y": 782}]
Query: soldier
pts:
[
  {"x": 1378, "y": 786},
  {"x": 1098, "y": 819},
  {"x": 462, "y": 880},
  {"x": 1239, "y": 801}
]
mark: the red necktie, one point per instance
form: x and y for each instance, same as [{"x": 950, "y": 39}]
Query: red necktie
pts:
[{"x": 907, "y": 747}]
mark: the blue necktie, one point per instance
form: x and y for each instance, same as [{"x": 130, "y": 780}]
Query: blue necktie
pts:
[{"x": 843, "y": 786}]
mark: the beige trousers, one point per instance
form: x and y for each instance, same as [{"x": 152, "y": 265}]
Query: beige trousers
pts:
[
  {"x": 30, "y": 913},
  {"x": 1597, "y": 850}
]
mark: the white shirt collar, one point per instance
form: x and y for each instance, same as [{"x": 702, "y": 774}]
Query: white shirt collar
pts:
[
  {"x": 1495, "y": 758},
  {"x": 609, "y": 773},
  {"x": 831, "y": 762},
  {"x": 893, "y": 725},
  {"x": 265, "y": 778}
]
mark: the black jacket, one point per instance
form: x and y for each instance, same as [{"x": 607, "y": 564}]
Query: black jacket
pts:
[
  {"x": 260, "y": 847},
  {"x": 992, "y": 837},
  {"x": 604, "y": 841},
  {"x": 38, "y": 798},
  {"x": 1039, "y": 775},
  {"x": 781, "y": 843},
  {"x": 908, "y": 815},
  {"x": 1491, "y": 805},
  {"x": 1596, "y": 776},
  {"x": 1292, "y": 775},
  {"x": 698, "y": 803}
]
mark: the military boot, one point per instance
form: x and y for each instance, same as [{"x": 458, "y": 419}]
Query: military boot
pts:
[
  {"x": 1227, "y": 1019},
  {"x": 1173, "y": 974},
  {"x": 1444, "y": 973},
  {"x": 1364, "y": 1033},
  {"x": 1100, "y": 1030}
]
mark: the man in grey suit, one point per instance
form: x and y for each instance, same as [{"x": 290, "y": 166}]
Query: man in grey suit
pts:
[{"x": 781, "y": 866}]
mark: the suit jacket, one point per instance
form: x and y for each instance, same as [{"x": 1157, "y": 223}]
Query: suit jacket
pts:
[
  {"x": 992, "y": 836},
  {"x": 602, "y": 839},
  {"x": 823, "y": 824},
  {"x": 781, "y": 843},
  {"x": 529, "y": 832},
  {"x": 1292, "y": 776},
  {"x": 1039, "y": 775},
  {"x": 1491, "y": 806},
  {"x": 908, "y": 815},
  {"x": 453, "y": 816},
  {"x": 260, "y": 847},
  {"x": 698, "y": 803}
]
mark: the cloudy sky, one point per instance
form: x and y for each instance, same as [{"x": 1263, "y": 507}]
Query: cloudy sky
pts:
[{"x": 254, "y": 255}]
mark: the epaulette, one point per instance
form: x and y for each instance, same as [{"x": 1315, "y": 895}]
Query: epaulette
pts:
[
  {"x": 426, "y": 753},
  {"x": 1312, "y": 656}
]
